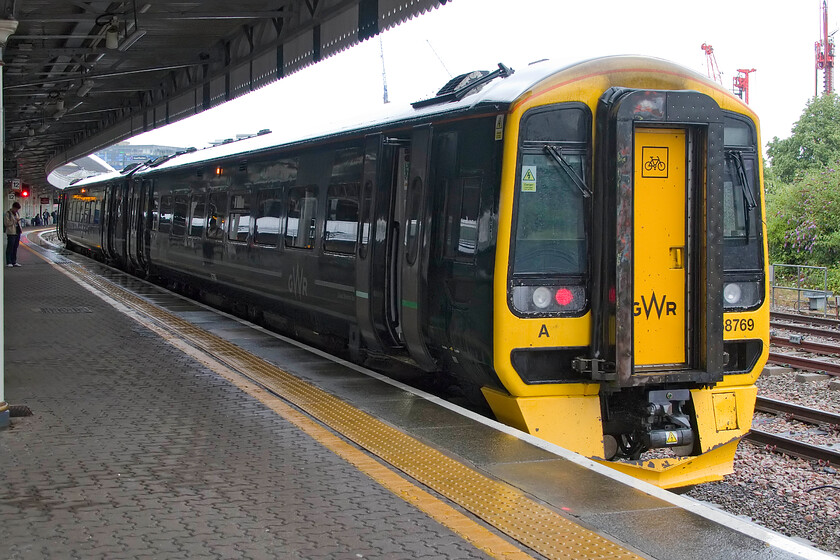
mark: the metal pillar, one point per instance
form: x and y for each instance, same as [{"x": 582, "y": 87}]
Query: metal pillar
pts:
[{"x": 7, "y": 27}]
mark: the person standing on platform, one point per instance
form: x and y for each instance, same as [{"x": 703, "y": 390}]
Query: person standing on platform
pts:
[{"x": 11, "y": 223}]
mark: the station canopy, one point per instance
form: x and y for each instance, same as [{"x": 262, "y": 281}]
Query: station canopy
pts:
[{"x": 83, "y": 75}]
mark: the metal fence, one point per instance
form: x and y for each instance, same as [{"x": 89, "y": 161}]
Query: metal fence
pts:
[{"x": 810, "y": 283}]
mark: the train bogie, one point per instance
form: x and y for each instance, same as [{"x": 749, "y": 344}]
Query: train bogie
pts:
[{"x": 583, "y": 244}]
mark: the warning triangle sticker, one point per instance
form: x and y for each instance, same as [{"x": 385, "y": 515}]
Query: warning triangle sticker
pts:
[{"x": 528, "y": 176}]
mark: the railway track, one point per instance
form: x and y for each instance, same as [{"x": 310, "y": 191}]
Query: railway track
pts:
[
  {"x": 801, "y": 344},
  {"x": 825, "y": 321},
  {"x": 789, "y": 446}
]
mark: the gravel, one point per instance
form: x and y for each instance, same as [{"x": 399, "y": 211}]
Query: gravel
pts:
[{"x": 797, "y": 498}]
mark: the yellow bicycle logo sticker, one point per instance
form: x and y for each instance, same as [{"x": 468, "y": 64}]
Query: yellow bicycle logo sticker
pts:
[{"x": 654, "y": 162}]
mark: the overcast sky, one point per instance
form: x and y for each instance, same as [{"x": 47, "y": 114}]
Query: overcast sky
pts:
[{"x": 776, "y": 37}]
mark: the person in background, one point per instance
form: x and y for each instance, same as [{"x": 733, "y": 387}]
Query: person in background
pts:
[
  {"x": 46, "y": 218},
  {"x": 11, "y": 223}
]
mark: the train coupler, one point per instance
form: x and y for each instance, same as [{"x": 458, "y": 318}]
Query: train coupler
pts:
[{"x": 668, "y": 425}]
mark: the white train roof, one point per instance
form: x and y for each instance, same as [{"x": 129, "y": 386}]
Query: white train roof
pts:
[{"x": 500, "y": 90}]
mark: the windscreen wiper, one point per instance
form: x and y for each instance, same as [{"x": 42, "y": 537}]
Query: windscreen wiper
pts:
[
  {"x": 557, "y": 156},
  {"x": 738, "y": 158}
]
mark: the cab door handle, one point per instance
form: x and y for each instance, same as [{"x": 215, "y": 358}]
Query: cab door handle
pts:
[{"x": 677, "y": 257}]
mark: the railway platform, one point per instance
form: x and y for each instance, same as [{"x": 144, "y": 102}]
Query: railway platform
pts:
[{"x": 163, "y": 429}]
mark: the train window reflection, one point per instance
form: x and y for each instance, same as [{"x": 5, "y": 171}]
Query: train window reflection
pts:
[
  {"x": 216, "y": 212},
  {"x": 165, "y": 213},
  {"x": 550, "y": 220},
  {"x": 269, "y": 210},
  {"x": 179, "y": 215},
  {"x": 300, "y": 217},
  {"x": 412, "y": 226},
  {"x": 240, "y": 218},
  {"x": 197, "y": 216},
  {"x": 342, "y": 218}
]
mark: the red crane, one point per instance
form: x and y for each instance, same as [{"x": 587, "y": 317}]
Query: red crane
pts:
[
  {"x": 741, "y": 84},
  {"x": 824, "y": 51},
  {"x": 712, "y": 69}
]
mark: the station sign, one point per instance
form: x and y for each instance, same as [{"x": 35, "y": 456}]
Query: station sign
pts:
[{"x": 45, "y": 200}]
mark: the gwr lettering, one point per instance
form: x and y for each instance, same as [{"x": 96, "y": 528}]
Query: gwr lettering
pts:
[{"x": 669, "y": 307}]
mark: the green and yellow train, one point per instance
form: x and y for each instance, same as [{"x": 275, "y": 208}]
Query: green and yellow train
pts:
[{"x": 584, "y": 244}]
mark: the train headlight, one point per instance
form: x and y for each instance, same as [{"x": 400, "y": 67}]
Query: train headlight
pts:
[
  {"x": 732, "y": 294},
  {"x": 541, "y": 297},
  {"x": 741, "y": 294},
  {"x": 539, "y": 300}
]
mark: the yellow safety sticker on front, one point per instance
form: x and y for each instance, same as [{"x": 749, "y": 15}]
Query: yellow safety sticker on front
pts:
[
  {"x": 500, "y": 126},
  {"x": 671, "y": 438},
  {"x": 529, "y": 178}
]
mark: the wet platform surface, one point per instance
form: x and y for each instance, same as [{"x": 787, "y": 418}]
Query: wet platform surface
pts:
[{"x": 147, "y": 442}]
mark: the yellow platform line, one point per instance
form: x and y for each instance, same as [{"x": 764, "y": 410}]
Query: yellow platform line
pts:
[{"x": 507, "y": 509}]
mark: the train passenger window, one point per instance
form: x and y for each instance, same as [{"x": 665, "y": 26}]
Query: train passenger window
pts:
[
  {"x": 365, "y": 219},
  {"x": 96, "y": 211},
  {"x": 179, "y": 215},
  {"x": 155, "y": 213},
  {"x": 300, "y": 217},
  {"x": 342, "y": 218},
  {"x": 269, "y": 211},
  {"x": 240, "y": 218},
  {"x": 197, "y": 216},
  {"x": 412, "y": 229},
  {"x": 165, "y": 223},
  {"x": 462, "y": 221},
  {"x": 216, "y": 212}
]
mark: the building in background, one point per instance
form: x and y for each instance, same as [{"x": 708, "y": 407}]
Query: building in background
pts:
[{"x": 120, "y": 156}]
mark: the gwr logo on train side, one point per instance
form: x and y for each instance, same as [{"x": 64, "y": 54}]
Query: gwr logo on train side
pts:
[
  {"x": 647, "y": 306},
  {"x": 297, "y": 282}
]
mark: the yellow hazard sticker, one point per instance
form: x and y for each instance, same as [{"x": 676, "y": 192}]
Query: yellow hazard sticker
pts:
[
  {"x": 500, "y": 126},
  {"x": 529, "y": 178},
  {"x": 671, "y": 438}
]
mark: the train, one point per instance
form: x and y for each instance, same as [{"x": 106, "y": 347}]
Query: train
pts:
[{"x": 582, "y": 246}]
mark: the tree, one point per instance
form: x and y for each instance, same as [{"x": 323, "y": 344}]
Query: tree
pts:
[
  {"x": 803, "y": 221},
  {"x": 814, "y": 144}
]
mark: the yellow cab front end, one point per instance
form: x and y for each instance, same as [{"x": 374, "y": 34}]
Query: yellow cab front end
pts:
[{"x": 630, "y": 312}]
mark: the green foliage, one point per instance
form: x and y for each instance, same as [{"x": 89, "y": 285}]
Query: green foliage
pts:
[
  {"x": 815, "y": 141},
  {"x": 803, "y": 219}
]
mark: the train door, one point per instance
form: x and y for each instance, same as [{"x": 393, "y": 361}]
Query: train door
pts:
[
  {"x": 660, "y": 225},
  {"x": 376, "y": 311},
  {"x": 133, "y": 245},
  {"x": 413, "y": 204},
  {"x": 657, "y": 299}
]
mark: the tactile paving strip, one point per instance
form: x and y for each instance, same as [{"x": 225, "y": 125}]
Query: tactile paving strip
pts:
[{"x": 507, "y": 509}]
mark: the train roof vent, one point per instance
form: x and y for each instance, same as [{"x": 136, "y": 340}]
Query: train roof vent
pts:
[{"x": 460, "y": 86}]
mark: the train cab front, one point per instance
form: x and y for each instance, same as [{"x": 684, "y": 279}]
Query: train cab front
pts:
[{"x": 634, "y": 322}]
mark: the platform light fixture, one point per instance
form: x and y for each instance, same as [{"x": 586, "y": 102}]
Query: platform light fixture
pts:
[
  {"x": 135, "y": 36},
  {"x": 112, "y": 34},
  {"x": 85, "y": 88}
]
